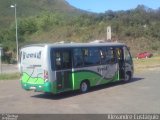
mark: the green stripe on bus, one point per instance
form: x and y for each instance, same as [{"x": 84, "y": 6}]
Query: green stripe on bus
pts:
[{"x": 73, "y": 81}]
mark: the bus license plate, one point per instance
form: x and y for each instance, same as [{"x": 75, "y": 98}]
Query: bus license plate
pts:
[{"x": 32, "y": 88}]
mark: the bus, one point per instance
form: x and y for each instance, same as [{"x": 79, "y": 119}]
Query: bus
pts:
[{"x": 56, "y": 68}]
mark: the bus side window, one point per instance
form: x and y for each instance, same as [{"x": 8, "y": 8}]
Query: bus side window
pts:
[
  {"x": 67, "y": 62},
  {"x": 63, "y": 59},
  {"x": 103, "y": 55},
  {"x": 78, "y": 57},
  {"x": 128, "y": 58},
  {"x": 58, "y": 60},
  {"x": 91, "y": 56},
  {"x": 110, "y": 55},
  {"x": 119, "y": 53},
  {"x": 85, "y": 52},
  {"x": 107, "y": 55}
]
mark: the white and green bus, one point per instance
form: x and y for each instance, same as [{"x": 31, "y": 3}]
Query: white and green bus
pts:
[{"x": 56, "y": 68}]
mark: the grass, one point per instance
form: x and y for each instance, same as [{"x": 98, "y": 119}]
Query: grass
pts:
[
  {"x": 143, "y": 64},
  {"x": 9, "y": 76}
]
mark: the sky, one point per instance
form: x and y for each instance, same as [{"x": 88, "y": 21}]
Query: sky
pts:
[{"x": 101, "y": 6}]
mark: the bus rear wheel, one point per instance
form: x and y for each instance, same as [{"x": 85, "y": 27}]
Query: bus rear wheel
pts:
[{"x": 84, "y": 87}]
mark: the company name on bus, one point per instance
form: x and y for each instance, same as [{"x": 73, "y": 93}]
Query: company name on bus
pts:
[
  {"x": 36, "y": 55},
  {"x": 99, "y": 69}
]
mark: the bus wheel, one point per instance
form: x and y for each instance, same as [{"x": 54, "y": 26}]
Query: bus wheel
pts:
[
  {"x": 84, "y": 87},
  {"x": 127, "y": 77}
]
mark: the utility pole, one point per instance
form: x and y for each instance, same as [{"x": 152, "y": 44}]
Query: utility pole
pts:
[
  {"x": 15, "y": 12},
  {"x": 1, "y": 52}
]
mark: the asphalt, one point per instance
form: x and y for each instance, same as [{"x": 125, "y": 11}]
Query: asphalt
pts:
[{"x": 141, "y": 95}]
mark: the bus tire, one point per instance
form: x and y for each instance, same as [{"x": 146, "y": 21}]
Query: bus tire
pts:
[
  {"x": 84, "y": 86},
  {"x": 127, "y": 77}
]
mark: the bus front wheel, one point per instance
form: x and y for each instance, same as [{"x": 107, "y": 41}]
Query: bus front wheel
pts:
[
  {"x": 84, "y": 87},
  {"x": 127, "y": 77}
]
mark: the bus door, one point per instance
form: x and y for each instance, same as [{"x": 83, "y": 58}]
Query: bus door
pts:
[
  {"x": 121, "y": 64},
  {"x": 63, "y": 64},
  {"x": 128, "y": 64}
]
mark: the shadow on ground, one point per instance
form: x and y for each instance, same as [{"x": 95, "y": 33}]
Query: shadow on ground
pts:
[{"x": 65, "y": 95}]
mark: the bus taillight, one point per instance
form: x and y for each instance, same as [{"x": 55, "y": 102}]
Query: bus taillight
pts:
[{"x": 45, "y": 75}]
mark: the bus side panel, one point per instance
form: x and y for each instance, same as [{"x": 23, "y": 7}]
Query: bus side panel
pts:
[{"x": 94, "y": 77}]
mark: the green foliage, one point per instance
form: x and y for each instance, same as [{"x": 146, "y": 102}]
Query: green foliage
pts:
[
  {"x": 27, "y": 8},
  {"x": 139, "y": 28},
  {"x": 47, "y": 20},
  {"x": 27, "y": 26}
]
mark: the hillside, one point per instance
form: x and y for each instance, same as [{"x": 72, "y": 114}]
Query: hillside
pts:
[
  {"x": 49, "y": 21},
  {"x": 26, "y": 8},
  {"x": 139, "y": 28}
]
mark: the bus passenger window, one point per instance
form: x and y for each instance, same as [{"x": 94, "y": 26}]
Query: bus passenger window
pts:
[
  {"x": 63, "y": 59},
  {"x": 67, "y": 62},
  {"x": 103, "y": 55},
  {"x": 92, "y": 57},
  {"x": 58, "y": 60},
  {"x": 78, "y": 57},
  {"x": 85, "y": 52},
  {"x": 119, "y": 53},
  {"x": 107, "y": 55},
  {"x": 128, "y": 58},
  {"x": 110, "y": 55}
]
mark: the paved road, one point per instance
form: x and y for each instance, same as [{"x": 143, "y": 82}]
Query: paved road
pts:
[{"x": 142, "y": 95}]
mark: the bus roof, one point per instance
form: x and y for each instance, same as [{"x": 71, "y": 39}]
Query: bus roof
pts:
[{"x": 67, "y": 45}]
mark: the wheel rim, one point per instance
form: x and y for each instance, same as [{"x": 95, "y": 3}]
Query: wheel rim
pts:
[
  {"x": 84, "y": 87},
  {"x": 126, "y": 77}
]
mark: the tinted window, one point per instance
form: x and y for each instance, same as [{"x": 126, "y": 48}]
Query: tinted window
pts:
[
  {"x": 58, "y": 60},
  {"x": 91, "y": 56},
  {"x": 107, "y": 55},
  {"x": 119, "y": 53},
  {"x": 78, "y": 57},
  {"x": 67, "y": 60},
  {"x": 128, "y": 58},
  {"x": 110, "y": 55},
  {"x": 63, "y": 59}
]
